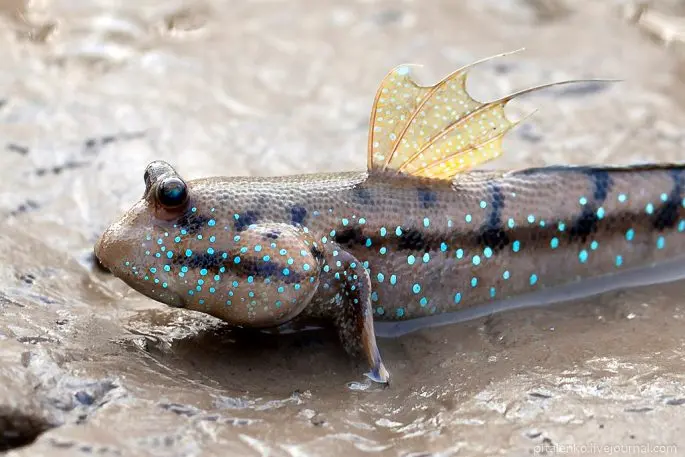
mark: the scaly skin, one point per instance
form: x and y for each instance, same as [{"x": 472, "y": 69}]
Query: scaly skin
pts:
[
  {"x": 419, "y": 233},
  {"x": 262, "y": 251}
]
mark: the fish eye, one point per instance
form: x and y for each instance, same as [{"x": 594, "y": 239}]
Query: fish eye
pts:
[{"x": 172, "y": 192}]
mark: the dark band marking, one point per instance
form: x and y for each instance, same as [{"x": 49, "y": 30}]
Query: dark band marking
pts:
[
  {"x": 492, "y": 233},
  {"x": 192, "y": 222},
  {"x": 427, "y": 198},
  {"x": 362, "y": 195},
  {"x": 349, "y": 236},
  {"x": 247, "y": 266},
  {"x": 413, "y": 240},
  {"x": 298, "y": 214},
  {"x": 602, "y": 183},
  {"x": 246, "y": 219},
  {"x": 587, "y": 223},
  {"x": 667, "y": 215}
]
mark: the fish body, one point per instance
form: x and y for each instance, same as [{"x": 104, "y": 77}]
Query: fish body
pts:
[{"x": 419, "y": 233}]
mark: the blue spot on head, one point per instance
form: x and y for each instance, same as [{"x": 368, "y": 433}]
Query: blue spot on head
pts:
[
  {"x": 533, "y": 279},
  {"x": 211, "y": 223},
  {"x": 554, "y": 243},
  {"x": 474, "y": 282},
  {"x": 516, "y": 246},
  {"x": 411, "y": 259},
  {"x": 416, "y": 288}
]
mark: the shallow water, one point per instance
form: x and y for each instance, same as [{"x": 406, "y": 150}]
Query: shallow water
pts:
[{"x": 90, "y": 92}]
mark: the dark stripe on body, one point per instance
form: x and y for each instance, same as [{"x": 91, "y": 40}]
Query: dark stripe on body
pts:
[
  {"x": 667, "y": 215},
  {"x": 245, "y": 219},
  {"x": 192, "y": 222},
  {"x": 247, "y": 267},
  {"x": 428, "y": 198},
  {"x": 492, "y": 233},
  {"x": 298, "y": 214},
  {"x": 587, "y": 222}
]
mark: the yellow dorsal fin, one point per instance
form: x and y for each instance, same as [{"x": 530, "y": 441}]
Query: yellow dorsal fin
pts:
[{"x": 436, "y": 131}]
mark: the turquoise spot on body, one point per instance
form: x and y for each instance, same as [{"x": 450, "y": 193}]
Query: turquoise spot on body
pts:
[
  {"x": 533, "y": 279},
  {"x": 582, "y": 256},
  {"x": 630, "y": 234}
]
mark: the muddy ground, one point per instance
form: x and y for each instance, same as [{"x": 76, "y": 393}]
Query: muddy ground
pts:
[{"x": 90, "y": 92}]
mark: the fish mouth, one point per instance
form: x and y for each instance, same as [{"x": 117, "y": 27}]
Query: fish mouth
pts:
[{"x": 113, "y": 254}]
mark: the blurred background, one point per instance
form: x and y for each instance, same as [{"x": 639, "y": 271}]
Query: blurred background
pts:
[{"x": 91, "y": 91}]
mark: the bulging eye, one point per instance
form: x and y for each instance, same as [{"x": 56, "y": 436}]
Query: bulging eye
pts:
[{"x": 172, "y": 192}]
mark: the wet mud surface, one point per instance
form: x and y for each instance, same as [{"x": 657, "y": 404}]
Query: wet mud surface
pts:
[{"x": 90, "y": 92}]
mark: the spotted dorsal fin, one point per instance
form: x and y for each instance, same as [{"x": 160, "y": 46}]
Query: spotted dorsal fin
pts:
[{"x": 436, "y": 131}]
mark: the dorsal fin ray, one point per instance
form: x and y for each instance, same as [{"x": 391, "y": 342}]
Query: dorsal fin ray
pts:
[{"x": 437, "y": 131}]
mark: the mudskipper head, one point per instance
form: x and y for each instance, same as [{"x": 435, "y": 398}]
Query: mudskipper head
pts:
[
  {"x": 201, "y": 245},
  {"x": 136, "y": 248}
]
